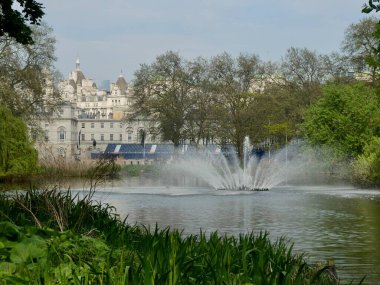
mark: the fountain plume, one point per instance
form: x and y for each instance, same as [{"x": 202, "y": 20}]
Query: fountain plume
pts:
[{"x": 253, "y": 173}]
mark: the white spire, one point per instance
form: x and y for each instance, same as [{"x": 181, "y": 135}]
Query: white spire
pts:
[{"x": 78, "y": 64}]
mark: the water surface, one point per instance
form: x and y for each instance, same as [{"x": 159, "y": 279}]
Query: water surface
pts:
[{"x": 326, "y": 222}]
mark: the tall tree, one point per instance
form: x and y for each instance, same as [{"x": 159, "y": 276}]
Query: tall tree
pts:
[
  {"x": 200, "y": 124},
  {"x": 162, "y": 93},
  {"x": 233, "y": 81},
  {"x": 14, "y": 23},
  {"x": 27, "y": 76},
  {"x": 360, "y": 46},
  {"x": 279, "y": 114}
]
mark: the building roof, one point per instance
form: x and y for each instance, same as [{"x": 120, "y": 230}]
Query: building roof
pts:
[
  {"x": 155, "y": 151},
  {"x": 122, "y": 84},
  {"x": 72, "y": 83},
  {"x": 80, "y": 76}
]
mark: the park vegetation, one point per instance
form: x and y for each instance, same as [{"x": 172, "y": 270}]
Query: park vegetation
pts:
[
  {"x": 331, "y": 101},
  {"x": 222, "y": 99},
  {"x": 17, "y": 153},
  {"x": 54, "y": 237},
  {"x": 27, "y": 95},
  {"x": 217, "y": 100}
]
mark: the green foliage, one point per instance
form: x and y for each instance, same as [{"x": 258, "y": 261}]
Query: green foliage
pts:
[
  {"x": 17, "y": 155},
  {"x": 61, "y": 210},
  {"x": 225, "y": 98},
  {"x": 44, "y": 256},
  {"x": 367, "y": 165},
  {"x": 15, "y": 23},
  {"x": 140, "y": 170},
  {"x": 345, "y": 118},
  {"x": 371, "y": 6},
  {"x": 161, "y": 92}
]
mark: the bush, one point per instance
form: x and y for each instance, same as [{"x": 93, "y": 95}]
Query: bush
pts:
[
  {"x": 367, "y": 166},
  {"x": 17, "y": 155}
]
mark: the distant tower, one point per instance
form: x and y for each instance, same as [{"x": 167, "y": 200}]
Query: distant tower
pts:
[
  {"x": 122, "y": 84},
  {"x": 105, "y": 85},
  {"x": 78, "y": 64}
]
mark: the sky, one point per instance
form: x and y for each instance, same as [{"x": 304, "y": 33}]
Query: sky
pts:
[{"x": 116, "y": 36}]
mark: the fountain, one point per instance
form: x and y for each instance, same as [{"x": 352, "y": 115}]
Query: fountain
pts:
[{"x": 252, "y": 174}]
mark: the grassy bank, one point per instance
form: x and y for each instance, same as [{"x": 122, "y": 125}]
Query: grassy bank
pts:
[
  {"x": 95, "y": 172},
  {"x": 148, "y": 171},
  {"x": 54, "y": 237}
]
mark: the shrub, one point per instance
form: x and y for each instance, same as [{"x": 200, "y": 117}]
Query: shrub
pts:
[{"x": 367, "y": 166}]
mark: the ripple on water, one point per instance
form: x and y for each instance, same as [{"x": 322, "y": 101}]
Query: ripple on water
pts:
[{"x": 340, "y": 223}]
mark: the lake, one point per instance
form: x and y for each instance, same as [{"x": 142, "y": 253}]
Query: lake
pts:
[{"x": 339, "y": 223}]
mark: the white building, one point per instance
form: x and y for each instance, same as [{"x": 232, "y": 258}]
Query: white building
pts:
[{"x": 91, "y": 118}]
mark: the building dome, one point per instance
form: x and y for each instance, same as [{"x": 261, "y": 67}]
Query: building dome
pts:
[{"x": 122, "y": 84}]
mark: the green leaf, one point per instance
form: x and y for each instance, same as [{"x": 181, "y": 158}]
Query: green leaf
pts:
[
  {"x": 367, "y": 10},
  {"x": 29, "y": 249},
  {"x": 7, "y": 267},
  {"x": 9, "y": 231}
]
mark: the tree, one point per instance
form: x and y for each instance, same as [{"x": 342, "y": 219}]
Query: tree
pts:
[
  {"x": 162, "y": 93},
  {"x": 17, "y": 155},
  {"x": 360, "y": 46},
  {"x": 279, "y": 114},
  {"x": 14, "y": 23},
  {"x": 305, "y": 70},
  {"x": 345, "y": 118},
  {"x": 233, "y": 81},
  {"x": 27, "y": 76},
  {"x": 200, "y": 124}
]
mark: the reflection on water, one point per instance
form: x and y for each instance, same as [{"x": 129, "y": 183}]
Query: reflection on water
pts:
[{"x": 335, "y": 223}]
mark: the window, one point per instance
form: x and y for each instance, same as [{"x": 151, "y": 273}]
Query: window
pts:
[
  {"x": 111, "y": 125},
  {"x": 92, "y": 137},
  {"x": 111, "y": 137},
  {"x": 61, "y": 133},
  {"x": 102, "y": 125},
  {"x": 102, "y": 137},
  {"x": 83, "y": 125},
  {"x": 83, "y": 137},
  {"x": 121, "y": 137},
  {"x": 129, "y": 136},
  {"x": 92, "y": 125}
]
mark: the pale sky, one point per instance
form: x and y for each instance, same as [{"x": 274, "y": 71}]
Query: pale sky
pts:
[{"x": 114, "y": 35}]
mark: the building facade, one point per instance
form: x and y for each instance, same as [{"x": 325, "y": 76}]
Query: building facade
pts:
[{"x": 91, "y": 118}]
